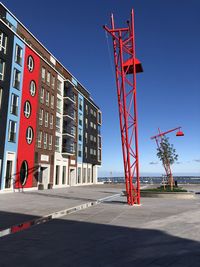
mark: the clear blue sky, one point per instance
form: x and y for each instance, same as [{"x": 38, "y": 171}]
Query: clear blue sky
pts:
[{"x": 168, "y": 45}]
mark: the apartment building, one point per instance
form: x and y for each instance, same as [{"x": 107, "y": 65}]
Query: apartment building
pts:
[{"x": 50, "y": 126}]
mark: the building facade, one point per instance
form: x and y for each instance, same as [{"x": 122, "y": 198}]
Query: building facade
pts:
[{"x": 50, "y": 126}]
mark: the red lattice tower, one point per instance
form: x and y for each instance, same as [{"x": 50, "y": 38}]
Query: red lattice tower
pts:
[{"x": 126, "y": 67}]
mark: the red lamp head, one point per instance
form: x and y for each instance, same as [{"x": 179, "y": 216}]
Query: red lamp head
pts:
[{"x": 179, "y": 133}]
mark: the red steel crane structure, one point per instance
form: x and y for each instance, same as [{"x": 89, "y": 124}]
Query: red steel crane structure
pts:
[
  {"x": 126, "y": 67},
  {"x": 158, "y": 139}
]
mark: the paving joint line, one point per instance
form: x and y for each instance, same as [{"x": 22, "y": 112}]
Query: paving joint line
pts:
[{"x": 54, "y": 215}]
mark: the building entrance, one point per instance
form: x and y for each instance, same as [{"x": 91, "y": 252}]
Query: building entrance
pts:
[{"x": 8, "y": 179}]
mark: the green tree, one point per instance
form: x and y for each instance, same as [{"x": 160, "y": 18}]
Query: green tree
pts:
[{"x": 166, "y": 152}]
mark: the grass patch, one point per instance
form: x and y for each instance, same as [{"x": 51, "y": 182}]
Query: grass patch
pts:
[{"x": 167, "y": 189}]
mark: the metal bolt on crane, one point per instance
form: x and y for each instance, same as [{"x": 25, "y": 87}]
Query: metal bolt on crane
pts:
[
  {"x": 159, "y": 138},
  {"x": 126, "y": 67}
]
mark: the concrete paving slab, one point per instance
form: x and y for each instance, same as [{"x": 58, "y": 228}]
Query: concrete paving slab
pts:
[
  {"x": 19, "y": 207},
  {"x": 160, "y": 232}
]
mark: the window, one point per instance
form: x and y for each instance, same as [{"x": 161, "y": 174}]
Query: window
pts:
[
  {"x": 50, "y": 142},
  {"x": 14, "y": 104},
  {"x": 59, "y": 87},
  {"x": 84, "y": 175},
  {"x": 95, "y": 114},
  {"x": 91, "y": 124},
  {"x": 40, "y": 116},
  {"x": 2, "y": 69},
  {"x": 91, "y": 138},
  {"x": 80, "y": 104},
  {"x": 30, "y": 63},
  {"x": 57, "y": 144},
  {"x": 86, "y": 122},
  {"x": 42, "y": 95},
  {"x": 23, "y": 172},
  {"x": 86, "y": 137},
  {"x": 91, "y": 151},
  {"x": 16, "y": 79},
  {"x": 72, "y": 150},
  {"x": 99, "y": 117},
  {"x": 99, "y": 141},
  {"x": 39, "y": 139},
  {"x": 95, "y": 139},
  {"x": 43, "y": 74},
  {"x": 88, "y": 175},
  {"x": 99, "y": 154},
  {"x": 12, "y": 131},
  {"x": 86, "y": 109},
  {"x": 51, "y": 121},
  {"x": 86, "y": 151},
  {"x": 79, "y": 134},
  {"x": 59, "y": 105},
  {"x": 53, "y": 82},
  {"x": 57, "y": 174},
  {"x": 29, "y": 135},
  {"x": 52, "y": 101},
  {"x": 95, "y": 152},
  {"x": 1, "y": 95},
  {"x": 64, "y": 175},
  {"x": 18, "y": 54},
  {"x": 3, "y": 42},
  {"x": 79, "y": 150},
  {"x": 32, "y": 88},
  {"x": 47, "y": 98},
  {"x": 27, "y": 109},
  {"x": 58, "y": 124},
  {"x": 46, "y": 119},
  {"x": 91, "y": 111},
  {"x": 45, "y": 140},
  {"x": 48, "y": 77},
  {"x": 94, "y": 125},
  {"x": 80, "y": 119},
  {"x": 79, "y": 175}
]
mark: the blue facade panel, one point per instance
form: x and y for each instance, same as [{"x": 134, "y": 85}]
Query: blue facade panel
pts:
[
  {"x": 74, "y": 81},
  {"x": 12, "y": 21},
  {"x": 13, "y": 146}
]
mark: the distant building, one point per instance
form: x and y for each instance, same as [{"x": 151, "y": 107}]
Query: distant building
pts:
[{"x": 50, "y": 126}]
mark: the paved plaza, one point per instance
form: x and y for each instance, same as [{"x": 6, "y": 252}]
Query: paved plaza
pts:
[{"x": 160, "y": 232}]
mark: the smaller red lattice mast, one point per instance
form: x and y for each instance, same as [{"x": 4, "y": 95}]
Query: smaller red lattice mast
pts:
[
  {"x": 158, "y": 138},
  {"x": 126, "y": 67}
]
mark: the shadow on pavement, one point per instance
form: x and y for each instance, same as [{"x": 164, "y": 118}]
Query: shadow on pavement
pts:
[
  {"x": 63, "y": 242},
  {"x": 8, "y": 219},
  {"x": 58, "y": 196}
]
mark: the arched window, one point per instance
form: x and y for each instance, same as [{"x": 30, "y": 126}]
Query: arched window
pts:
[
  {"x": 29, "y": 135},
  {"x": 24, "y": 172},
  {"x": 32, "y": 88},
  {"x": 27, "y": 109},
  {"x": 30, "y": 63}
]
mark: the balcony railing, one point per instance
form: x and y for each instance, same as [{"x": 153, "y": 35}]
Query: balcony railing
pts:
[
  {"x": 68, "y": 149},
  {"x": 69, "y": 131}
]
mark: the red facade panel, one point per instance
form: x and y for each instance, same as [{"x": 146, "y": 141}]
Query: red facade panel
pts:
[{"x": 26, "y": 147}]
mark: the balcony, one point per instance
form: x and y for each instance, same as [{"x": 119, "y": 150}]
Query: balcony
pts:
[
  {"x": 68, "y": 146},
  {"x": 70, "y": 131},
  {"x": 70, "y": 98},
  {"x": 69, "y": 112},
  {"x": 68, "y": 91}
]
